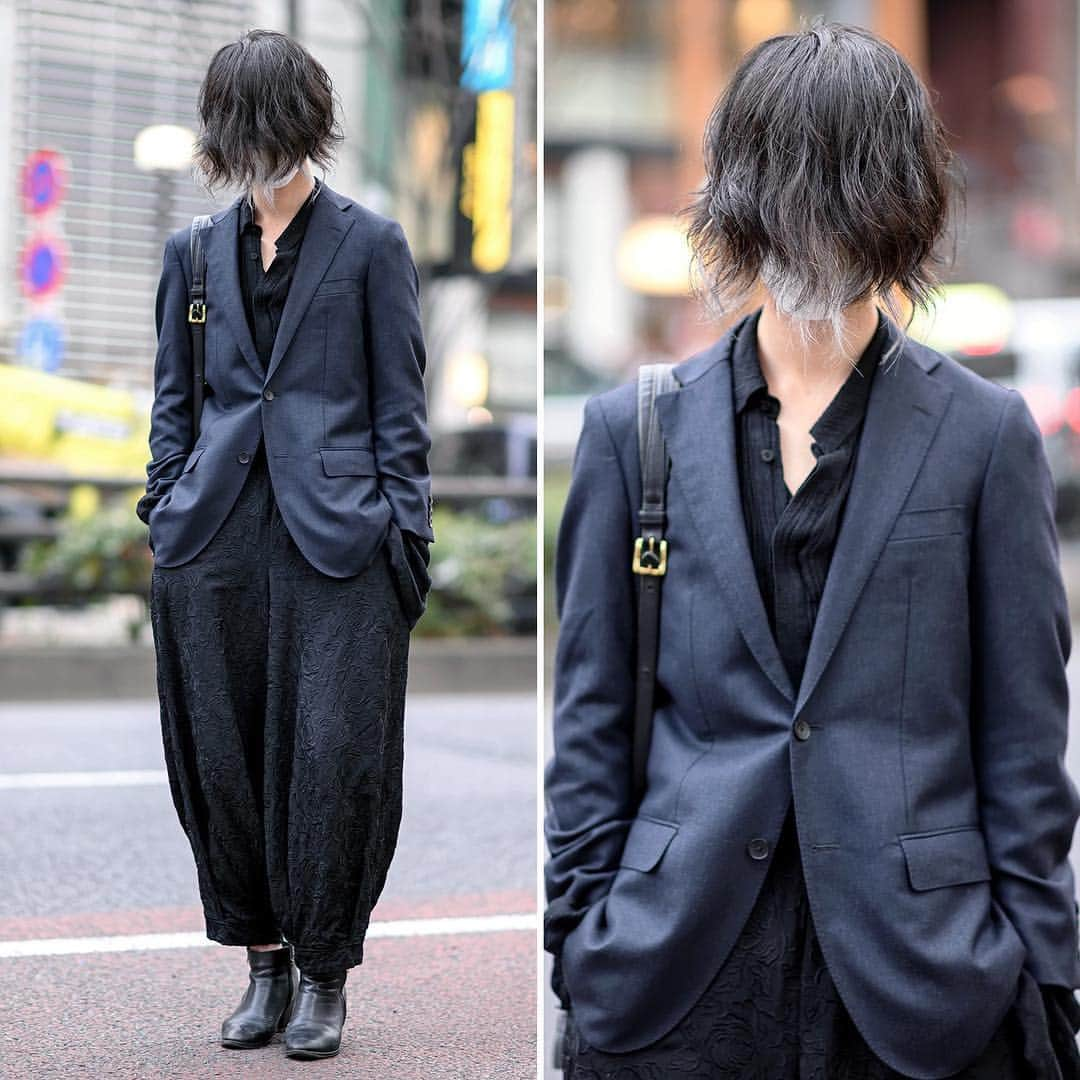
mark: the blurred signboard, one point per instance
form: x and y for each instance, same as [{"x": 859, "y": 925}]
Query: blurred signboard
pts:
[
  {"x": 487, "y": 160},
  {"x": 43, "y": 260},
  {"x": 76, "y": 425},
  {"x": 488, "y": 179},
  {"x": 487, "y": 46}
]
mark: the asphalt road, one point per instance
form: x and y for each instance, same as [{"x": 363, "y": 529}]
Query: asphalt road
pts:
[{"x": 90, "y": 849}]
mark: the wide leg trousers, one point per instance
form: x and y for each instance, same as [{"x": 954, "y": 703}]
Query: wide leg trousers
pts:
[{"x": 282, "y": 702}]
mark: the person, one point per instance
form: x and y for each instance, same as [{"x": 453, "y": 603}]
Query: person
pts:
[
  {"x": 290, "y": 543},
  {"x": 850, "y": 858}
]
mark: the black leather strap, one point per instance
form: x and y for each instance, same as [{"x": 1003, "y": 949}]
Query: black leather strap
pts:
[
  {"x": 197, "y": 318},
  {"x": 650, "y": 556}
]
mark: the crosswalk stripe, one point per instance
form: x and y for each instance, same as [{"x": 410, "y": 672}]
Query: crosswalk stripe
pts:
[
  {"x": 390, "y": 928},
  {"x": 103, "y": 778}
]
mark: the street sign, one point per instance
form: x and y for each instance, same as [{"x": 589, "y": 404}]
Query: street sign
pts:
[
  {"x": 487, "y": 46},
  {"x": 41, "y": 344},
  {"x": 42, "y": 266},
  {"x": 44, "y": 181}
]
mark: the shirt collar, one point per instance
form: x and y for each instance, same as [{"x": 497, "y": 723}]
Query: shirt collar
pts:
[
  {"x": 291, "y": 233},
  {"x": 746, "y": 369},
  {"x": 842, "y": 414}
]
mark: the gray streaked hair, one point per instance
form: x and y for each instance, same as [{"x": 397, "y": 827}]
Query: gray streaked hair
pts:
[
  {"x": 266, "y": 105},
  {"x": 828, "y": 179}
]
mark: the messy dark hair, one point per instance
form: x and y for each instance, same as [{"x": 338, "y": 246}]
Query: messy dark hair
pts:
[
  {"x": 828, "y": 178},
  {"x": 266, "y": 104}
]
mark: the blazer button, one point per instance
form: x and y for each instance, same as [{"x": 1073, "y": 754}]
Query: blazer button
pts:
[
  {"x": 268, "y": 395},
  {"x": 802, "y": 730},
  {"x": 243, "y": 457},
  {"x": 767, "y": 454},
  {"x": 758, "y": 848}
]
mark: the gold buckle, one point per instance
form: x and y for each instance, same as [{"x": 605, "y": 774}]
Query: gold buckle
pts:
[
  {"x": 197, "y": 312},
  {"x": 650, "y": 560}
]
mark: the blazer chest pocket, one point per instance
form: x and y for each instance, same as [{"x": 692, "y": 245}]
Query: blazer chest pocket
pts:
[
  {"x": 646, "y": 843},
  {"x": 945, "y": 857},
  {"x": 348, "y": 461},
  {"x": 337, "y": 287},
  {"x": 921, "y": 524}
]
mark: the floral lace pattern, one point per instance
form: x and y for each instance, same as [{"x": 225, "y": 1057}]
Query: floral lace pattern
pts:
[
  {"x": 774, "y": 1013},
  {"x": 282, "y": 703}
]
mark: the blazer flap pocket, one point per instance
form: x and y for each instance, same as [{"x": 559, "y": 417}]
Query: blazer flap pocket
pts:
[
  {"x": 646, "y": 843},
  {"x": 192, "y": 458},
  {"x": 933, "y": 521},
  {"x": 348, "y": 461},
  {"x": 949, "y": 857}
]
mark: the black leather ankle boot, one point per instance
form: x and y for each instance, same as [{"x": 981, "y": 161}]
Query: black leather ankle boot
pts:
[
  {"x": 266, "y": 1004},
  {"x": 317, "y": 1018}
]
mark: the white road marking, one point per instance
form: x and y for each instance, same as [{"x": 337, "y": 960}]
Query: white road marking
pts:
[
  {"x": 115, "y": 778},
  {"x": 391, "y": 928}
]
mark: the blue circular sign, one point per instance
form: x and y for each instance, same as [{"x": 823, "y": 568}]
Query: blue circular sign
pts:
[
  {"x": 42, "y": 267},
  {"x": 43, "y": 181},
  {"x": 41, "y": 344}
]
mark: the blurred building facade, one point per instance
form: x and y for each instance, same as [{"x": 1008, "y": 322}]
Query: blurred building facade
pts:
[
  {"x": 629, "y": 84},
  {"x": 84, "y": 79}
]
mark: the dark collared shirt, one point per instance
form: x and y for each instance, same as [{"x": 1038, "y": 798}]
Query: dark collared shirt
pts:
[
  {"x": 265, "y": 290},
  {"x": 792, "y": 535}
]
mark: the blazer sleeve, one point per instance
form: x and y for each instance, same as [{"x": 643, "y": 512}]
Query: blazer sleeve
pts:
[
  {"x": 397, "y": 361},
  {"x": 588, "y": 779},
  {"x": 171, "y": 416},
  {"x": 1020, "y": 716}
]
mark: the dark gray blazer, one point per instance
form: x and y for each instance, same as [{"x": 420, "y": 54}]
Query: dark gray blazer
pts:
[
  {"x": 341, "y": 407},
  {"x": 934, "y": 812}
]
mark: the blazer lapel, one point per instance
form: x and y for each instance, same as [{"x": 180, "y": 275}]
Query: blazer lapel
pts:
[
  {"x": 698, "y": 424},
  {"x": 903, "y": 412},
  {"x": 223, "y": 279},
  {"x": 326, "y": 229}
]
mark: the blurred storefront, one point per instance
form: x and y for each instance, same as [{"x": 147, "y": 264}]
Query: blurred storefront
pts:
[
  {"x": 103, "y": 97},
  {"x": 629, "y": 84},
  {"x": 438, "y": 108}
]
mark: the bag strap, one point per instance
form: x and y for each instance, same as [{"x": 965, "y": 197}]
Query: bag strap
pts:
[
  {"x": 650, "y": 555},
  {"x": 197, "y": 316}
]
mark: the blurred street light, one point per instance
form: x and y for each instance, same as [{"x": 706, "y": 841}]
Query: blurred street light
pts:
[
  {"x": 164, "y": 147},
  {"x": 654, "y": 257},
  {"x": 164, "y": 150},
  {"x": 467, "y": 379}
]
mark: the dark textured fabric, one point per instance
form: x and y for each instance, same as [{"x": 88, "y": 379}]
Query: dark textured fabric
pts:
[
  {"x": 282, "y": 702},
  {"x": 265, "y": 292},
  {"x": 792, "y": 538},
  {"x": 773, "y": 1010}
]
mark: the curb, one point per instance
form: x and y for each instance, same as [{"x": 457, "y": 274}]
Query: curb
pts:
[{"x": 448, "y": 666}]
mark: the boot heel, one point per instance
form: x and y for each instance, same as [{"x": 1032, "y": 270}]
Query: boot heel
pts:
[
  {"x": 294, "y": 988},
  {"x": 286, "y": 1016}
]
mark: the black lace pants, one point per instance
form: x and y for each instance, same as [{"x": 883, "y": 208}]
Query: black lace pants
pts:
[
  {"x": 774, "y": 1013},
  {"x": 282, "y": 702}
]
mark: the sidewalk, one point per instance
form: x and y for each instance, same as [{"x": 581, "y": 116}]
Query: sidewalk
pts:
[{"x": 51, "y": 654}]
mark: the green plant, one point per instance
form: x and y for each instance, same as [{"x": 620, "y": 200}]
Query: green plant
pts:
[
  {"x": 483, "y": 577},
  {"x": 104, "y": 552},
  {"x": 483, "y": 574}
]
